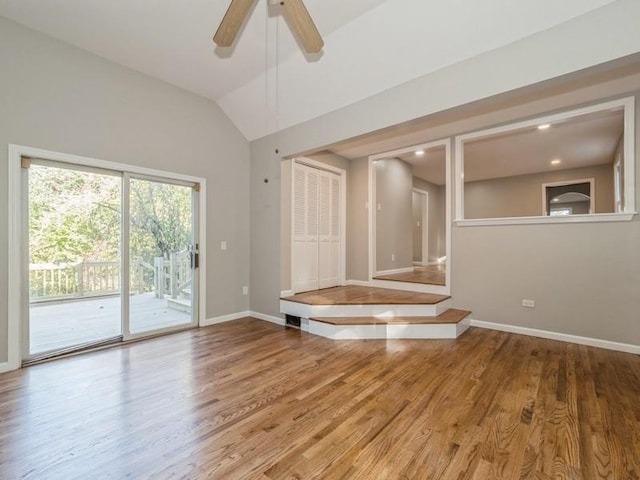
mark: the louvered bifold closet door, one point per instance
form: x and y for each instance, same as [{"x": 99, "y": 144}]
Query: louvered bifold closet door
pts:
[
  {"x": 329, "y": 226},
  {"x": 305, "y": 237}
]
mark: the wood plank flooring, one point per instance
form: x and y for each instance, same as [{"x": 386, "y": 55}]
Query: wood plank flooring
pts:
[
  {"x": 251, "y": 400},
  {"x": 356, "y": 295},
  {"x": 451, "y": 315}
]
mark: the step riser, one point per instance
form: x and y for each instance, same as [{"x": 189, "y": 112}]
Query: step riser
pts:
[
  {"x": 308, "y": 311},
  {"x": 373, "y": 332},
  {"x": 410, "y": 287}
]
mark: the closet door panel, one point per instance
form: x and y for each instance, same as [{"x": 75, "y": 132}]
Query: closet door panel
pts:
[
  {"x": 316, "y": 229},
  {"x": 305, "y": 238}
]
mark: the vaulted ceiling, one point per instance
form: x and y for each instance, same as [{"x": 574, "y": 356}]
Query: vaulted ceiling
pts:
[{"x": 370, "y": 46}]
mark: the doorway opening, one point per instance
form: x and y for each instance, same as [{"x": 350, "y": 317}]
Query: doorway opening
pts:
[
  {"x": 420, "y": 222},
  {"x": 410, "y": 222},
  {"x": 575, "y": 197}
]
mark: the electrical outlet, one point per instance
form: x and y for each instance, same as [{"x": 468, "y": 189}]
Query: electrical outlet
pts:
[
  {"x": 245, "y": 290},
  {"x": 223, "y": 245},
  {"x": 528, "y": 303},
  {"x": 393, "y": 257}
]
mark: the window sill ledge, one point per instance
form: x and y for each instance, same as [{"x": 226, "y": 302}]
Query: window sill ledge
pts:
[{"x": 593, "y": 218}]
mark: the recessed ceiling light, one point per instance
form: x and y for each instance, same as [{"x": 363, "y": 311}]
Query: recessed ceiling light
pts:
[
  {"x": 555, "y": 199},
  {"x": 556, "y": 161},
  {"x": 544, "y": 126},
  {"x": 419, "y": 152}
]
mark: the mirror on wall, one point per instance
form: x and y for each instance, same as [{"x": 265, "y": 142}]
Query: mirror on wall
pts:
[
  {"x": 409, "y": 198},
  {"x": 565, "y": 165}
]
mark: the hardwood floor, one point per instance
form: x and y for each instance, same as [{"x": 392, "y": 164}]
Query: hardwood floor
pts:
[
  {"x": 251, "y": 400},
  {"x": 430, "y": 274},
  {"x": 356, "y": 295}
]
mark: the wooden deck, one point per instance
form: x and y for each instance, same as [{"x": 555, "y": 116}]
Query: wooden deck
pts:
[
  {"x": 251, "y": 400},
  {"x": 75, "y": 322},
  {"x": 355, "y": 295},
  {"x": 430, "y": 275}
]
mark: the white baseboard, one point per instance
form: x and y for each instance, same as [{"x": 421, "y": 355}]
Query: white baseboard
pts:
[
  {"x": 394, "y": 271},
  {"x": 5, "y": 367},
  {"x": 225, "y": 318},
  {"x": 236, "y": 316},
  {"x": 563, "y": 337},
  {"x": 357, "y": 283},
  {"x": 267, "y": 318},
  {"x": 287, "y": 293}
]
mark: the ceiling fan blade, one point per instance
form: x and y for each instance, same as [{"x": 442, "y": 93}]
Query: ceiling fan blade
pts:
[
  {"x": 302, "y": 25},
  {"x": 236, "y": 15}
]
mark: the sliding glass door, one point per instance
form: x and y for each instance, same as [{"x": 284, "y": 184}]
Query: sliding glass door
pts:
[
  {"x": 161, "y": 255},
  {"x": 74, "y": 256},
  {"x": 82, "y": 291}
]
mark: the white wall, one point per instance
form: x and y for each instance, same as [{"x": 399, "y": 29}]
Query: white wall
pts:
[
  {"x": 59, "y": 98},
  {"x": 603, "y": 256}
]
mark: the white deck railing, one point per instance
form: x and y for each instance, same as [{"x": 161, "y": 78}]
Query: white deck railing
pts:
[{"x": 58, "y": 281}]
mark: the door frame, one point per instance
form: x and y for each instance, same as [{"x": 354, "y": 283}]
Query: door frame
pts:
[
  {"x": 424, "y": 260},
  {"x": 17, "y": 300},
  {"x": 566, "y": 183},
  {"x": 126, "y": 266},
  {"x": 342, "y": 176},
  {"x": 438, "y": 289}
]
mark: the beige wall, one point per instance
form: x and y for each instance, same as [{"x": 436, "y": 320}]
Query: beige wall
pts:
[
  {"x": 437, "y": 217},
  {"x": 493, "y": 267},
  {"x": 394, "y": 233},
  {"x": 285, "y": 224},
  {"x": 358, "y": 220},
  {"x": 331, "y": 159},
  {"x": 521, "y": 196},
  {"x": 56, "y": 97}
]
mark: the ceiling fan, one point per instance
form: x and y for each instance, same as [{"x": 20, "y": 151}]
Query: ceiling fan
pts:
[{"x": 294, "y": 11}]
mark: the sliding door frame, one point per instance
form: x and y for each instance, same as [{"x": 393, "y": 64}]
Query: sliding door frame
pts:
[
  {"x": 25, "y": 320},
  {"x": 126, "y": 264},
  {"x": 17, "y": 211}
]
